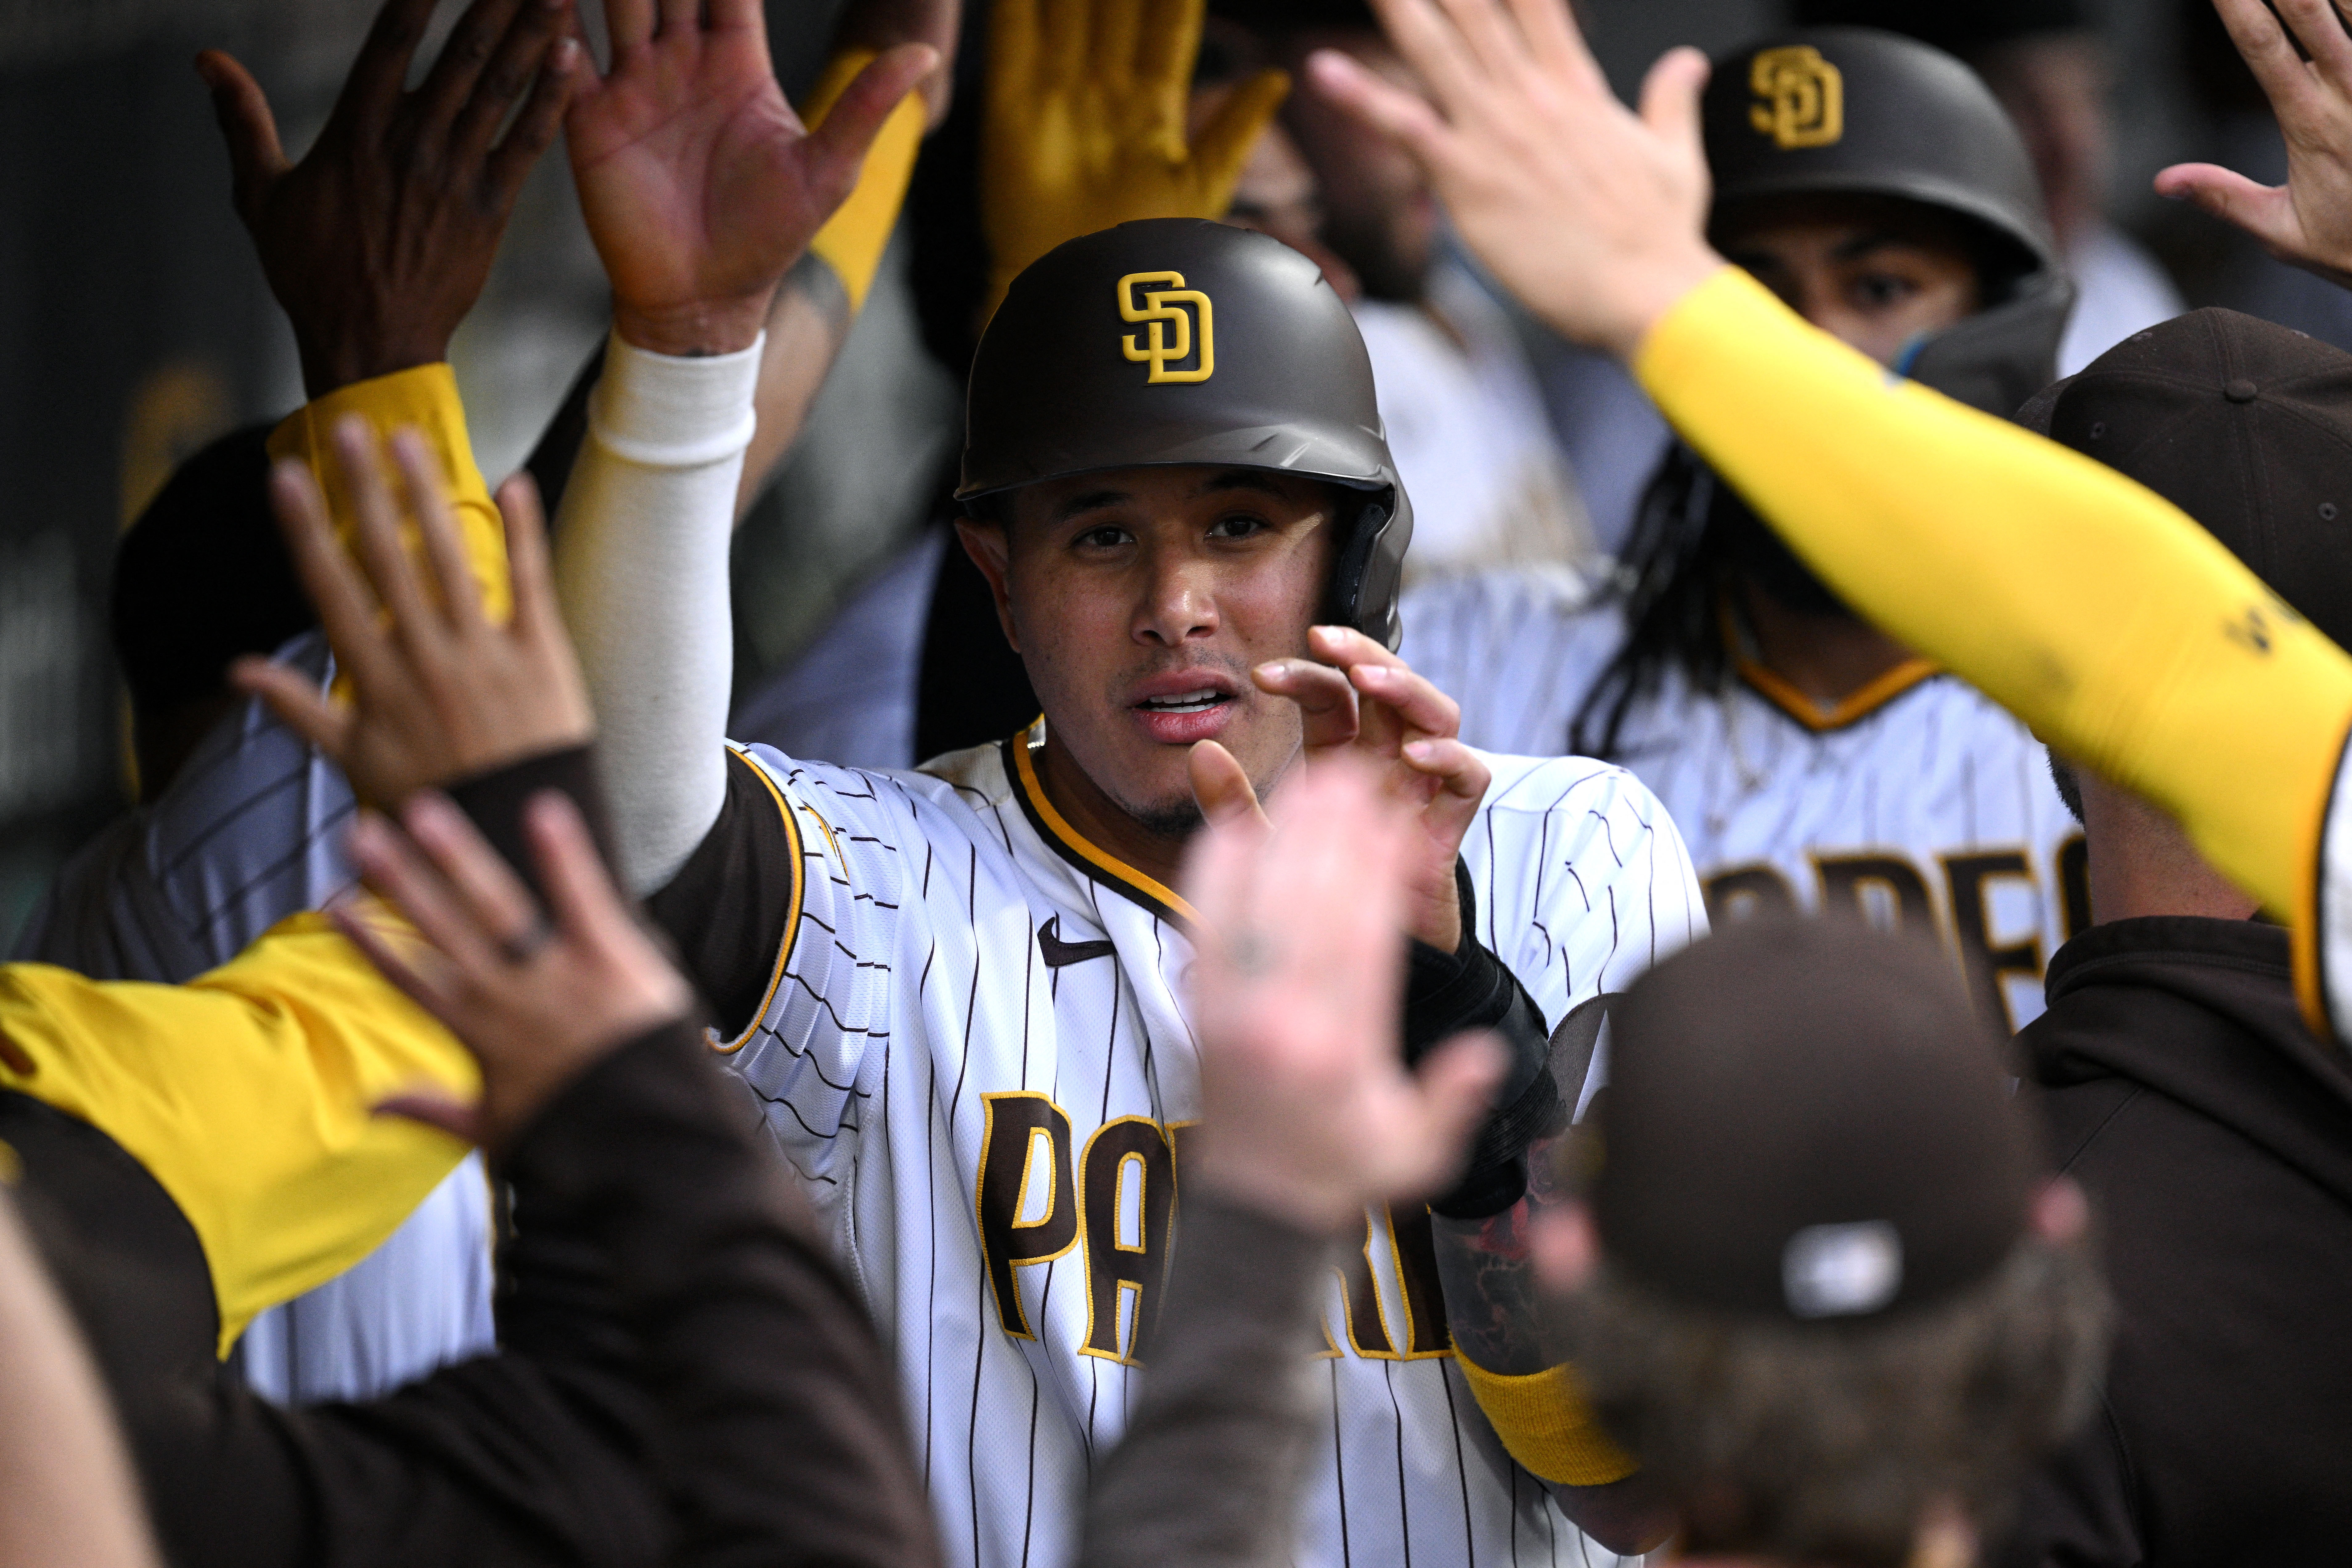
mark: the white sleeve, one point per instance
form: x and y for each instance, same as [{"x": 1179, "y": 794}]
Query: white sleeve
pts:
[{"x": 641, "y": 571}]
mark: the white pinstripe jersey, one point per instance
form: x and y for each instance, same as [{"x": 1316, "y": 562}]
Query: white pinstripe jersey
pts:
[
  {"x": 974, "y": 1051},
  {"x": 250, "y": 832},
  {"x": 1921, "y": 802}
]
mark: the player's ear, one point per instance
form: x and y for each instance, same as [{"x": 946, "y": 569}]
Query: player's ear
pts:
[{"x": 989, "y": 545}]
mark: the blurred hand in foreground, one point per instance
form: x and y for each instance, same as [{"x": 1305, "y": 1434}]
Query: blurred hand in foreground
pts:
[
  {"x": 438, "y": 691},
  {"x": 1308, "y": 1112},
  {"x": 379, "y": 241},
  {"x": 2307, "y": 222},
  {"x": 538, "y": 1000},
  {"x": 699, "y": 183},
  {"x": 1591, "y": 214},
  {"x": 1084, "y": 124}
]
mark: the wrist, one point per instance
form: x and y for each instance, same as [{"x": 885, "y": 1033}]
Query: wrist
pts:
[
  {"x": 1302, "y": 1197},
  {"x": 1651, "y": 297},
  {"x": 700, "y": 329},
  {"x": 329, "y": 366}
]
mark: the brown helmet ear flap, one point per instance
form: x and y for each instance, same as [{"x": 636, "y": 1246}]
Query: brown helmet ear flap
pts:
[{"x": 1369, "y": 573}]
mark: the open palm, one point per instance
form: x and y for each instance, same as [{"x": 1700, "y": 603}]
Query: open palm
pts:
[{"x": 699, "y": 183}]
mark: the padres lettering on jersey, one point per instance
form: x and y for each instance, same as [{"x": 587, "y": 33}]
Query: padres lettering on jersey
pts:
[
  {"x": 1917, "y": 804},
  {"x": 974, "y": 1050}
]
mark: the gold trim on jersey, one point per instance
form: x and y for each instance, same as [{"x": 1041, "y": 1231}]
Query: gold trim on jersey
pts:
[
  {"x": 1076, "y": 847},
  {"x": 792, "y": 920},
  {"x": 1780, "y": 691}
]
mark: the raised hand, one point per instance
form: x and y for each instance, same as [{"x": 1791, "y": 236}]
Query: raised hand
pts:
[
  {"x": 439, "y": 693},
  {"x": 1084, "y": 124},
  {"x": 699, "y": 183},
  {"x": 1592, "y": 216},
  {"x": 2307, "y": 222},
  {"x": 380, "y": 240},
  {"x": 536, "y": 1001},
  {"x": 1308, "y": 1110},
  {"x": 1364, "y": 700}
]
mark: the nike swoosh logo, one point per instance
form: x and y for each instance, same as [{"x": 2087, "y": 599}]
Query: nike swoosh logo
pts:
[{"x": 1059, "y": 954}]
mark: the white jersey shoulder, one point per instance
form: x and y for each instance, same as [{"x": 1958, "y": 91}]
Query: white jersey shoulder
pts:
[
  {"x": 975, "y": 1051},
  {"x": 1922, "y": 804},
  {"x": 250, "y": 832}
]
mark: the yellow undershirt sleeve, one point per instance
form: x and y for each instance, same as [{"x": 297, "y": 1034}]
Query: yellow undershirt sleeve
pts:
[
  {"x": 852, "y": 240},
  {"x": 2083, "y": 603},
  {"x": 425, "y": 399},
  {"x": 1547, "y": 1424},
  {"x": 247, "y": 1094}
]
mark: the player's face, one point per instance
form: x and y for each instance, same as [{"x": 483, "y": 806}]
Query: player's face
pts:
[
  {"x": 1140, "y": 599},
  {"x": 1873, "y": 273}
]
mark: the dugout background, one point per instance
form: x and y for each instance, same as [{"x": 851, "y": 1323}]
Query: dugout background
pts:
[{"x": 134, "y": 326}]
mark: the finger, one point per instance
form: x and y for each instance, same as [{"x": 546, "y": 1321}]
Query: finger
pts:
[
  {"x": 489, "y": 894},
  {"x": 1404, "y": 118},
  {"x": 1411, "y": 696},
  {"x": 466, "y": 57},
  {"x": 629, "y": 24},
  {"x": 375, "y": 529},
  {"x": 1064, "y": 40},
  {"x": 836, "y": 148},
  {"x": 2261, "y": 41},
  {"x": 1435, "y": 49},
  {"x": 2266, "y": 212},
  {"x": 1327, "y": 703},
  {"x": 1223, "y": 786},
  {"x": 680, "y": 18},
  {"x": 1463, "y": 777},
  {"x": 255, "y": 158},
  {"x": 535, "y": 130},
  {"x": 1224, "y": 145},
  {"x": 1124, "y": 34},
  {"x": 587, "y": 906},
  {"x": 1669, "y": 100},
  {"x": 425, "y": 490},
  {"x": 460, "y": 1119},
  {"x": 377, "y": 77},
  {"x": 1557, "y": 43},
  {"x": 421, "y": 983},
  {"x": 734, "y": 15},
  {"x": 347, "y": 608},
  {"x": 297, "y": 702},
  {"x": 530, "y": 577},
  {"x": 399, "y": 872},
  {"x": 519, "y": 61},
  {"x": 2320, "y": 29},
  {"x": 1489, "y": 34},
  {"x": 1454, "y": 1090},
  {"x": 1164, "y": 52},
  {"x": 1014, "y": 55}
]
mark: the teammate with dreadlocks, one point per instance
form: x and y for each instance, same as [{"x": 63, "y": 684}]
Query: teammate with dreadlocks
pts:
[{"x": 1811, "y": 760}]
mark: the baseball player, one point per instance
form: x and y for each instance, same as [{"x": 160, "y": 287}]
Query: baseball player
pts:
[
  {"x": 957, "y": 993},
  {"x": 1811, "y": 761},
  {"x": 2121, "y": 630},
  {"x": 252, "y": 829}
]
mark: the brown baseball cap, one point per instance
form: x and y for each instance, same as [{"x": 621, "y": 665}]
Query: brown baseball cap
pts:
[
  {"x": 2245, "y": 426},
  {"x": 1806, "y": 1120}
]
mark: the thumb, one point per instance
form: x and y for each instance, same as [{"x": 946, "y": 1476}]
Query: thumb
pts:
[
  {"x": 1670, "y": 99},
  {"x": 2266, "y": 212},
  {"x": 838, "y": 144},
  {"x": 256, "y": 159},
  {"x": 462, "y": 1119},
  {"x": 1224, "y": 142},
  {"x": 1456, "y": 1084},
  {"x": 1223, "y": 788}
]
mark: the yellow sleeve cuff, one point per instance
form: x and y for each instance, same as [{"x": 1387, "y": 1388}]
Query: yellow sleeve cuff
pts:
[
  {"x": 426, "y": 399},
  {"x": 1548, "y": 1425},
  {"x": 248, "y": 1095},
  {"x": 2080, "y": 600},
  {"x": 853, "y": 240}
]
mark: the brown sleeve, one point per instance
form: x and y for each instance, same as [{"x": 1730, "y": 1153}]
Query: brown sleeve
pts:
[
  {"x": 1208, "y": 1473},
  {"x": 728, "y": 906}
]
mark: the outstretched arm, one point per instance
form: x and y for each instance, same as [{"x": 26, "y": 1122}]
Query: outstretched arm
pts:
[
  {"x": 2100, "y": 614},
  {"x": 700, "y": 188}
]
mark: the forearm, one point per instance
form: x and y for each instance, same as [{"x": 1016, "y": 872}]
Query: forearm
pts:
[
  {"x": 777, "y": 1422},
  {"x": 1209, "y": 1469},
  {"x": 2121, "y": 631},
  {"x": 641, "y": 570}
]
